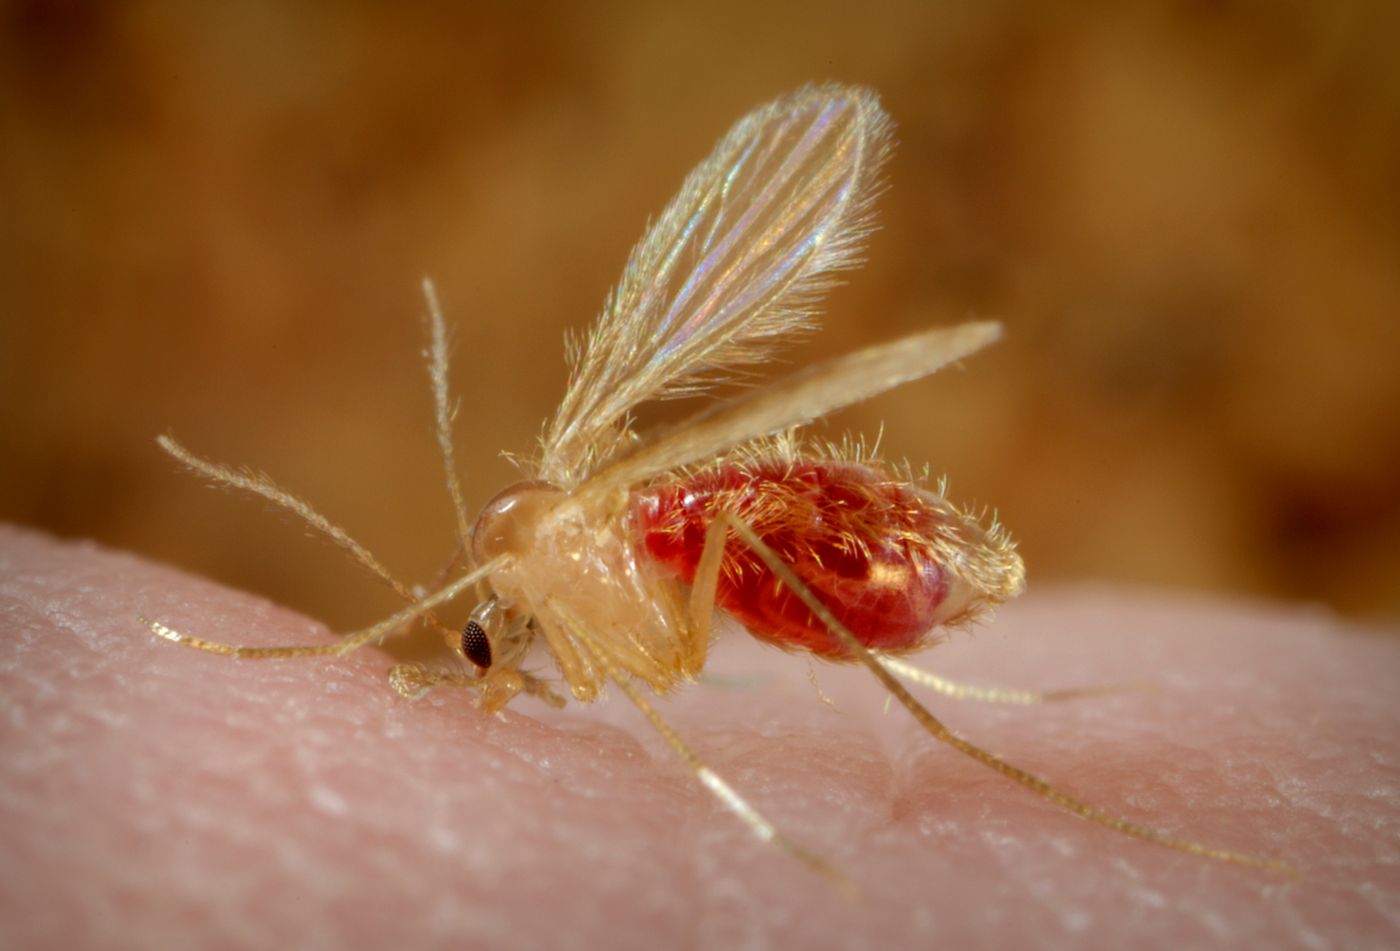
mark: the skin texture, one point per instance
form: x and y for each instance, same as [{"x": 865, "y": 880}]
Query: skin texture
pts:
[{"x": 154, "y": 796}]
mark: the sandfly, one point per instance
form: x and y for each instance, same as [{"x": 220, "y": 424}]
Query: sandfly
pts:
[{"x": 617, "y": 548}]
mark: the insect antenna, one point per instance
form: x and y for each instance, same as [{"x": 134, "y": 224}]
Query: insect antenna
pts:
[
  {"x": 596, "y": 646},
  {"x": 444, "y": 409},
  {"x": 936, "y": 729},
  {"x": 346, "y": 644},
  {"x": 793, "y": 401},
  {"x": 256, "y": 483}
]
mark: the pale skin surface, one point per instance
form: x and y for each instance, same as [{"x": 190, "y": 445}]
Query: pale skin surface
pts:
[{"x": 152, "y": 795}]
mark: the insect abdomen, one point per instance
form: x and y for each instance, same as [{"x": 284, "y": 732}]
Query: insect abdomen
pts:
[{"x": 878, "y": 552}]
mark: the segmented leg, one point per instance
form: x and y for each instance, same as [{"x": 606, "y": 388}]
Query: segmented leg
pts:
[
  {"x": 349, "y": 642},
  {"x": 702, "y": 605},
  {"x": 704, "y": 586},
  {"x": 596, "y": 646},
  {"x": 1009, "y": 695},
  {"x": 940, "y": 732}
]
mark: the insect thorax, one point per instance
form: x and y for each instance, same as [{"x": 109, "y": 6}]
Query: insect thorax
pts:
[{"x": 574, "y": 572}]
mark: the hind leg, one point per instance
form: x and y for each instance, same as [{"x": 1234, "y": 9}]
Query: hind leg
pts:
[{"x": 935, "y": 728}]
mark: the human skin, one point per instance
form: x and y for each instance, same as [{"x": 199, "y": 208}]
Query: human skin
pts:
[{"x": 154, "y": 796}]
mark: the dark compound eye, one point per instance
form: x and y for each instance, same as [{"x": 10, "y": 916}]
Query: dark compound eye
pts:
[{"x": 476, "y": 645}]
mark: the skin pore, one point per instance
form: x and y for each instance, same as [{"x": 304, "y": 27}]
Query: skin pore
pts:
[{"x": 155, "y": 795}]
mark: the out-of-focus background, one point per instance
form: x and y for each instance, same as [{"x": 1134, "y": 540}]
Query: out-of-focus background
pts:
[{"x": 214, "y": 218}]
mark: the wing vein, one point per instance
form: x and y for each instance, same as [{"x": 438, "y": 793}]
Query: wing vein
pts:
[{"x": 732, "y": 267}]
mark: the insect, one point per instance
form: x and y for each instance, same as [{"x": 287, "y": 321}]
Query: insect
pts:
[{"x": 616, "y": 549}]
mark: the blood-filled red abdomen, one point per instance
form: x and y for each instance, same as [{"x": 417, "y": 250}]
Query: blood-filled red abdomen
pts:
[{"x": 867, "y": 544}]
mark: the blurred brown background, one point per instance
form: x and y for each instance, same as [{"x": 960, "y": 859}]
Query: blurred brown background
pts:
[{"x": 215, "y": 217}]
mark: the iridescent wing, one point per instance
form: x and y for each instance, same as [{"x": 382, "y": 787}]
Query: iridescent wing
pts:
[
  {"x": 734, "y": 264},
  {"x": 794, "y": 401}
]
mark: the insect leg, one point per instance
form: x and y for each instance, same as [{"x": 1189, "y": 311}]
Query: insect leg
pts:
[
  {"x": 346, "y": 644},
  {"x": 936, "y": 729},
  {"x": 706, "y": 582},
  {"x": 1008, "y": 695},
  {"x": 594, "y": 644},
  {"x": 701, "y": 610}
]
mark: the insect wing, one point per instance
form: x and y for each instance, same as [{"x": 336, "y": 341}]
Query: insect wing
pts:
[
  {"x": 794, "y": 401},
  {"x": 735, "y": 263}
]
